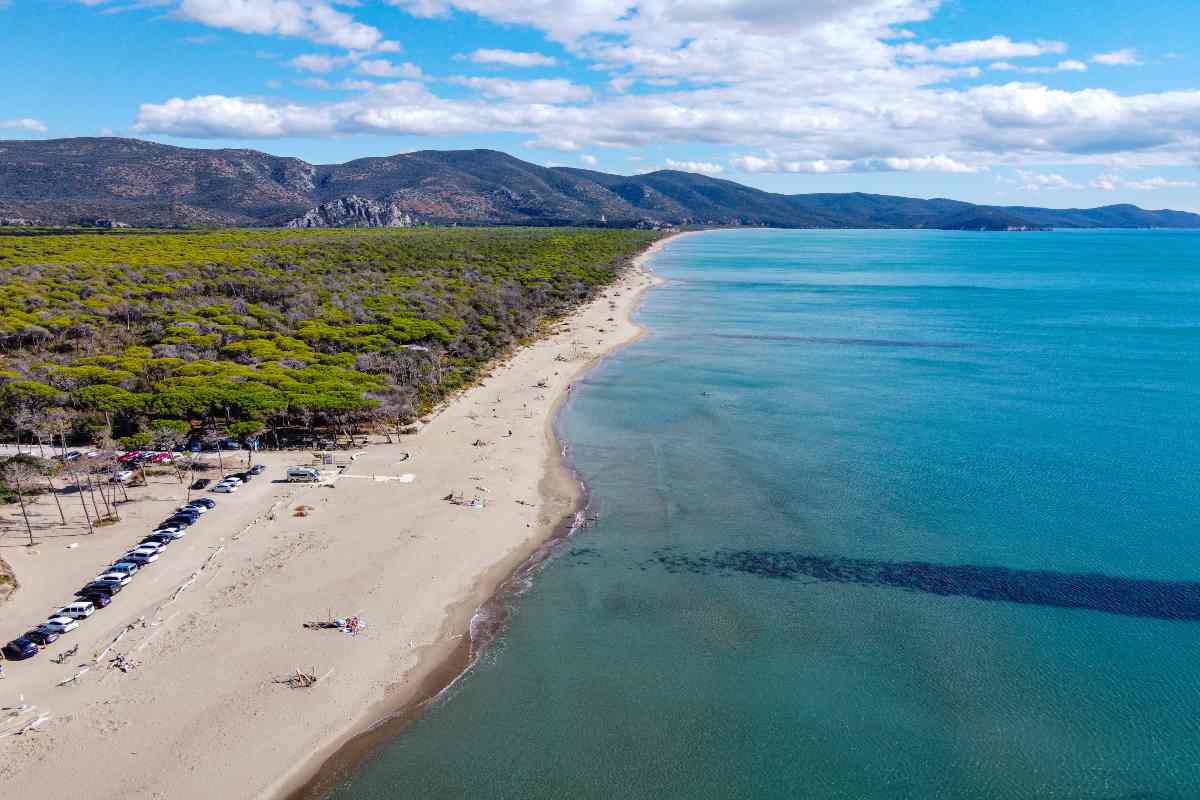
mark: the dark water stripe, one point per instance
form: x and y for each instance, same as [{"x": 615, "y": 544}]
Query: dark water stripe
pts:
[
  {"x": 1134, "y": 597},
  {"x": 838, "y": 340}
]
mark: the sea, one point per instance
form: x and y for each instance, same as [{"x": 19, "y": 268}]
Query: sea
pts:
[{"x": 878, "y": 515}]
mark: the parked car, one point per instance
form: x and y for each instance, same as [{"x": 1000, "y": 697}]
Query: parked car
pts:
[
  {"x": 155, "y": 547},
  {"x": 60, "y": 625},
  {"x": 198, "y": 508},
  {"x": 178, "y": 521},
  {"x": 200, "y": 483},
  {"x": 130, "y": 457},
  {"x": 163, "y": 539},
  {"x": 80, "y": 609},
  {"x": 123, "y": 476},
  {"x": 171, "y": 532},
  {"x": 303, "y": 474},
  {"x": 106, "y": 587},
  {"x": 112, "y": 577},
  {"x": 225, "y": 488},
  {"x": 73, "y": 454},
  {"x": 19, "y": 649},
  {"x": 41, "y": 636},
  {"x": 128, "y": 567},
  {"x": 142, "y": 557},
  {"x": 207, "y": 502},
  {"x": 258, "y": 469},
  {"x": 159, "y": 458},
  {"x": 96, "y": 597}
]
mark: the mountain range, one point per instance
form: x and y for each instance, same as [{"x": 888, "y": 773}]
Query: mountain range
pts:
[{"x": 115, "y": 181}]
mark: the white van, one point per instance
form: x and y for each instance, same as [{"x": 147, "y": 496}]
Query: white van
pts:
[
  {"x": 80, "y": 610},
  {"x": 303, "y": 474}
]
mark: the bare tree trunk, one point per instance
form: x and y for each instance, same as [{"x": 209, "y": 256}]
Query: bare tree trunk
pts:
[
  {"x": 57, "y": 502},
  {"x": 92, "y": 487},
  {"x": 82, "y": 501},
  {"x": 24, "y": 513}
]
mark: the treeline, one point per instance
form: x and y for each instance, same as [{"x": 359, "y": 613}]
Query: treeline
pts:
[{"x": 150, "y": 336}]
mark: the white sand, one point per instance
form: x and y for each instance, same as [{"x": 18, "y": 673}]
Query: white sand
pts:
[{"x": 199, "y": 715}]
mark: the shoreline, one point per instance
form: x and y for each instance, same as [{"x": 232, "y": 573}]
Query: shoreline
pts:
[
  {"x": 212, "y": 629},
  {"x": 438, "y": 672}
]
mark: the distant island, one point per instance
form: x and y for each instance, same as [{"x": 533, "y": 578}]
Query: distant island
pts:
[{"x": 116, "y": 183}]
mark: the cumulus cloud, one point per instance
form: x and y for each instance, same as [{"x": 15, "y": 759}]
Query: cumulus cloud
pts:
[
  {"x": 550, "y": 90},
  {"x": 997, "y": 47},
  {"x": 1118, "y": 58},
  {"x": 859, "y": 92},
  {"x": 23, "y": 124},
  {"x": 318, "y": 62},
  {"x": 511, "y": 58},
  {"x": 382, "y": 68},
  {"x": 315, "y": 20},
  {"x": 772, "y": 163},
  {"x": 1069, "y": 65},
  {"x": 589, "y": 160},
  {"x": 1111, "y": 183},
  {"x": 702, "y": 167},
  {"x": 1031, "y": 181}
]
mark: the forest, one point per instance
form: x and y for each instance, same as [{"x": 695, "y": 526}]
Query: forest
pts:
[{"x": 135, "y": 338}]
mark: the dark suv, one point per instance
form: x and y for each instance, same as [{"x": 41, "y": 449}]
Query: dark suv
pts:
[
  {"x": 20, "y": 649},
  {"x": 41, "y": 636}
]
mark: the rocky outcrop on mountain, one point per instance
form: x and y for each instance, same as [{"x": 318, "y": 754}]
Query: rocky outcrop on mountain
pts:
[
  {"x": 79, "y": 181},
  {"x": 355, "y": 212}
]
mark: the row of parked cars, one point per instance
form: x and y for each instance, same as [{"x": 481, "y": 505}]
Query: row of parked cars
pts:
[
  {"x": 231, "y": 483},
  {"x": 145, "y": 457},
  {"x": 99, "y": 592}
]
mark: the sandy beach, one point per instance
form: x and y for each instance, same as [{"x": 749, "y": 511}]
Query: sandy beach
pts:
[{"x": 213, "y": 626}]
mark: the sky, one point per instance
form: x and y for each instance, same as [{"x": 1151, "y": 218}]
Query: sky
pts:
[{"x": 1027, "y": 102}]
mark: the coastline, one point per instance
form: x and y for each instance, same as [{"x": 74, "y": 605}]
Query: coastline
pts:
[
  {"x": 484, "y": 619},
  {"x": 432, "y": 579}
]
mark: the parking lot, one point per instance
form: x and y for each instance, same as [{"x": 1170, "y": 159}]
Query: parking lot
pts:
[{"x": 68, "y": 557}]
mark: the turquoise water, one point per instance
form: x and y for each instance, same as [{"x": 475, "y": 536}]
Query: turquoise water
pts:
[{"x": 888, "y": 515}]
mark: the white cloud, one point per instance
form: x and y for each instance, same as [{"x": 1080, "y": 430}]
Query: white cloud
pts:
[
  {"x": 1031, "y": 181},
  {"x": 381, "y": 68},
  {"x": 997, "y": 47},
  {"x": 589, "y": 160},
  {"x": 772, "y": 163},
  {"x": 550, "y": 143},
  {"x": 23, "y": 124},
  {"x": 1111, "y": 183},
  {"x": 318, "y": 62},
  {"x": 856, "y": 96},
  {"x": 1126, "y": 57},
  {"x": 702, "y": 167},
  {"x": 1158, "y": 182},
  {"x": 215, "y": 116},
  {"x": 1069, "y": 65},
  {"x": 315, "y": 20},
  {"x": 550, "y": 90},
  {"x": 511, "y": 58}
]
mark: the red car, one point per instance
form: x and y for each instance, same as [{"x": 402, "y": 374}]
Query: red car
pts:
[
  {"x": 130, "y": 457},
  {"x": 159, "y": 458}
]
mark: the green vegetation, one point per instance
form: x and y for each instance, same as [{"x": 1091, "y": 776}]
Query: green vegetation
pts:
[{"x": 141, "y": 337}]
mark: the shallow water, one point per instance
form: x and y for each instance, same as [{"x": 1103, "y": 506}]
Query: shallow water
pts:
[{"x": 901, "y": 514}]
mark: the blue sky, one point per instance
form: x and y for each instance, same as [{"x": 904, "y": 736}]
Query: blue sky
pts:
[{"x": 1068, "y": 103}]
